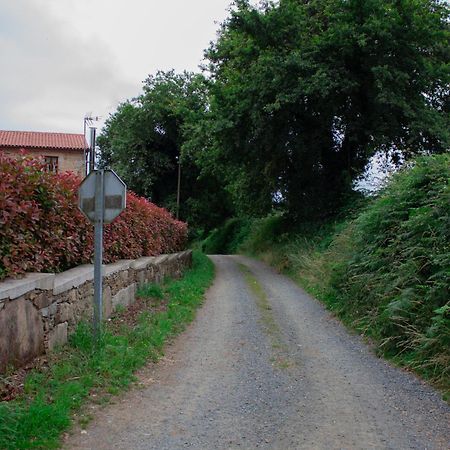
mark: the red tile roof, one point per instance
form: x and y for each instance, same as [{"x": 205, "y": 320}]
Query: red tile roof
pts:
[{"x": 39, "y": 139}]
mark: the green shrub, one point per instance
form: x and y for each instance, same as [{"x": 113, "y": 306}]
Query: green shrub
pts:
[
  {"x": 384, "y": 268},
  {"x": 397, "y": 281},
  {"x": 228, "y": 238}
]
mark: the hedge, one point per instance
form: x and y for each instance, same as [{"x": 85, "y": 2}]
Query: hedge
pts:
[{"x": 42, "y": 230}]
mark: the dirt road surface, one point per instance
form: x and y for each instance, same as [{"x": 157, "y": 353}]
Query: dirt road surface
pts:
[{"x": 264, "y": 366}]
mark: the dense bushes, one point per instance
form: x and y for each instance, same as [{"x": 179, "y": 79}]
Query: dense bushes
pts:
[
  {"x": 385, "y": 269},
  {"x": 227, "y": 239},
  {"x": 41, "y": 228},
  {"x": 396, "y": 283}
]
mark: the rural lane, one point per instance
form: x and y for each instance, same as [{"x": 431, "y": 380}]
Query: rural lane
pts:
[{"x": 265, "y": 366}]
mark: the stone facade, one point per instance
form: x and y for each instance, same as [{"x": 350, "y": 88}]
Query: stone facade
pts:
[
  {"x": 38, "y": 312},
  {"x": 68, "y": 160}
]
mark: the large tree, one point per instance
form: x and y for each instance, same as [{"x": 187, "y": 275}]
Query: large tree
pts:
[
  {"x": 304, "y": 92},
  {"x": 144, "y": 139}
]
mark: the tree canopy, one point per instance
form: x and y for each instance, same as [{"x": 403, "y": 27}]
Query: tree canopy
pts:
[
  {"x": 305, "y": 92},
  {"x": 296, "y": 96},
  {"x": 143, "y": 141}
]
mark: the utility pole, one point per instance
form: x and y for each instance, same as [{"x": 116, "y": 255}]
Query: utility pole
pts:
[
  {"x": 179, "y": 187},
  {"x": 92, "y": 157}
]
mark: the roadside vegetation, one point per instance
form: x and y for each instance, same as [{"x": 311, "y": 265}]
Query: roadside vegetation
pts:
[
  {"x": 296, "y": 101},
  {"x": 42, "y": 229},
  {"x": 84, "y": 371},
  {"x": 382, "y": 267}
]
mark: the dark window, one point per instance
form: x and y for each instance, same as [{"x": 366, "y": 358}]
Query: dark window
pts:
[{"x": 51, "y": 163}]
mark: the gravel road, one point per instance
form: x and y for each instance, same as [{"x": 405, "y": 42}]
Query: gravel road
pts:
[{"x": 265, "y": 366}]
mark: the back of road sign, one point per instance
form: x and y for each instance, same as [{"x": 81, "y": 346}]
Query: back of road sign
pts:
[{"x": 114, "y": 196}]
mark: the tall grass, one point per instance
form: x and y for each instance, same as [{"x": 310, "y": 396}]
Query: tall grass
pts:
[
  {"x": 37, "y": 419},
  {"x": 227, "y": 239},
  {"x": 384, "y": 270}
]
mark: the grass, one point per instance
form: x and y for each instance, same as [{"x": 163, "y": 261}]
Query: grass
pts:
[
  {"x": 52, "y": 396},
  {"x": 227, "y": 239},
  {"x": 384, "y": 270},
  {"x": 279, "y": 357}
]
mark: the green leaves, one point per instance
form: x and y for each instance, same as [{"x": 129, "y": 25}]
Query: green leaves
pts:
[{"x": 286, "y": 74}]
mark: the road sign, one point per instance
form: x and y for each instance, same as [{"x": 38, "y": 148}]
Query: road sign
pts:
[
  {"x": 101, "y": 198},
  {"x": 114, "y": 195}
]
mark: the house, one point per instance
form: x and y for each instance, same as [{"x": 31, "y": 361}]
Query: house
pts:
[{"x": 62, "y": 151}]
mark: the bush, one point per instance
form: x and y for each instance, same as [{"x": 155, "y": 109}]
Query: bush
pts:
[
  {"x": 227, "y": 239},
  {"x": 384, "y": 268},
  {"x": 397, "y": 281},
  {"x": 41, "y": 228}
]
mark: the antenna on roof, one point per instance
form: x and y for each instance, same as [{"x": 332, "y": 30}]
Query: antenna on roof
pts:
[{"x": 89, "y": 153}]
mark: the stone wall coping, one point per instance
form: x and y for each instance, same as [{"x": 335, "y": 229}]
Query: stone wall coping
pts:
[
  {"x": 183, "y": 254},
  {"x": 118, "y": 266},
  {"x": 159, "y": 259},
  {"x": 143, "y": 262},
  {"x": 73, "y": 278},
  {"x": 14, "y": 288},
  {"x": 173, "y": 257}
]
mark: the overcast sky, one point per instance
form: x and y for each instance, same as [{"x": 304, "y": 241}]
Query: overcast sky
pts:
[{"x": 61, "y": 59}]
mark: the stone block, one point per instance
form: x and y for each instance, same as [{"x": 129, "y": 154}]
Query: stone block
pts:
[
  {"x": 72, "y": 296},
  {"x": 21, "y": 333},
  {"x": 64, "y": 313},
  {"x": 142, "y": 263},
  {"x": 107, "y": 302},
  {"x": 44, "y": 281},
  {"x": 73, "y": 278},
  {"x": 116, "y": 267},
  {"x": 12, "y": 288},
  {"x": 140, "y": 277},
  {"x": 123, "y": 277},
  {"x": 43, "y": 299},
  {"x": 50, "y": 310},
  {"x": 159, "y": 260},
  {"x": 124, "y": 297},
  {"x": 57, "y": 336}
]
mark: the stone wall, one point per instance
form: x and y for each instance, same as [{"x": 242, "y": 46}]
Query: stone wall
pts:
[
  {"x": 39, "y": 311},
  {"x": 68, "y": 160}
]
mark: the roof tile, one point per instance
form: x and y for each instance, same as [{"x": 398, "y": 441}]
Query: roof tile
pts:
[{"x": 39, "y": 139}]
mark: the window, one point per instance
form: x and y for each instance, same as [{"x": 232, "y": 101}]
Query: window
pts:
[{"x": 51, "y": 163}]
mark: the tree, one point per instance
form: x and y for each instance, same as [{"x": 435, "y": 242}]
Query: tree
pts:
[
  {"x": 143, "y": 141},
  {"x": 304, "y": 92}
]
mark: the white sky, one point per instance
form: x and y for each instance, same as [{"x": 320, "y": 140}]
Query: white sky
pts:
[{"x": 61, "y": 59}]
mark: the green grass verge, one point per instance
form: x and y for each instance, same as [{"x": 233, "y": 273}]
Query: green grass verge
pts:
[
  {"x": 384, "y": 270},
  {"x": 38, "y": 418}
]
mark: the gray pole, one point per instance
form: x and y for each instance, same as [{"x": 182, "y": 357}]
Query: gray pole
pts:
[
  {"x": 178, "y": 189},
  {"x": 98, "y": 250},
  {"x": 92, "y": 159},
  {"x": 86, "y": 162}
]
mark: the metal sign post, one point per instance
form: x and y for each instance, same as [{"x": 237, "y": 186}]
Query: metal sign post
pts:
[
  {"x": 101, "y": 198},
  {"x": 98, "y": 250}
]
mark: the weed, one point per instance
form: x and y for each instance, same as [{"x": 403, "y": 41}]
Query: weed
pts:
[
  {"x": 280, "y": 358},
  {"x": 150, "y": 290}
]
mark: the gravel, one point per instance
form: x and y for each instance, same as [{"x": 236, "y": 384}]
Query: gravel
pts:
[{"x": 238, "y": 379}]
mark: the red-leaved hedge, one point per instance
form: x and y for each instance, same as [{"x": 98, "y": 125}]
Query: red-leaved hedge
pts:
[{"x": 42, "y": 230}]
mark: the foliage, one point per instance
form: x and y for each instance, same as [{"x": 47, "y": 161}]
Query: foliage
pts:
[
  {"x": 303, "y": 93},
  {"x": 227, "y": 238},
  {"x": 385, "y": 269},
  {"x": 146, "y": 138},
  {"x": 51, "y": 397},
  {"x": 397, "y": 282},
  {"x": 43, "y": 230}
]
